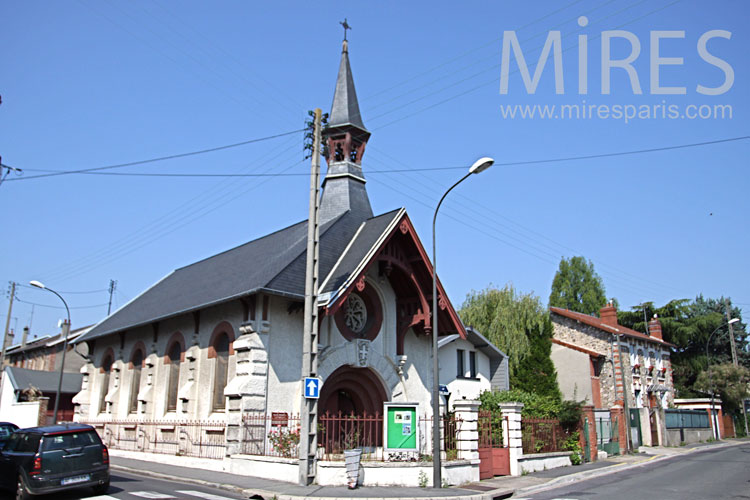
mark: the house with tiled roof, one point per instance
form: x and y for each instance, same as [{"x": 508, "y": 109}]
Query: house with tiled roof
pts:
[
  {"x": 221, "y": 340},
  {"x": 609, "y": 365}
]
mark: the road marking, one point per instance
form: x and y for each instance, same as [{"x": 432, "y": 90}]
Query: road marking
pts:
[
  {"x": 200, "y": 494},
  {"x": 101, "y": 497},
  {"x": 150, "y": 494}
]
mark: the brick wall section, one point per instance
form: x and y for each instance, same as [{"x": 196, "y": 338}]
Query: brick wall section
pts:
[
  {"x": 42, "y": 417},
  {"x": 618, "y": 413}
]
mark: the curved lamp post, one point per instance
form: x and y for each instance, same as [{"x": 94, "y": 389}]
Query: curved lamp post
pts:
[
  {"x": 710, "y": 378},
  {"x": 479, "y": 166},
  {"x": 66, "y": 330}
]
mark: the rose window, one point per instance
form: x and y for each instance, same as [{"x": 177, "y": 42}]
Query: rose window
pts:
[{"x": 355, "y": 315}]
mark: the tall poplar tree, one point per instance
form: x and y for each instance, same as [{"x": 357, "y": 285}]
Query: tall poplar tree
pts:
[{"x": 577, "y": 287}]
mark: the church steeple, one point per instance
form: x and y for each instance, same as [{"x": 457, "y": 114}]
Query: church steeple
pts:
[{"x": 345, "y": 138}]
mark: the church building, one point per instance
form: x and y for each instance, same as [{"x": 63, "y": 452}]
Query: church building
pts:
[{"x": 223, "y": 337}]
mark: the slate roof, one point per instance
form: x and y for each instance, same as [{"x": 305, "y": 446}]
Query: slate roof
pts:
[
  {"x": 598, "y": 323},
  {"x": 345, "y": 107},
  {"x": 478, "y": 340},
  {"x": 364, "y": 242},
  {"x": 22, "y": 378},
  {"x": 274, "y": 263}
]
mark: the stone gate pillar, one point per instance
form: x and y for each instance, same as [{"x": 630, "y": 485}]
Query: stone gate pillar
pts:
[
  {"x": 467, "y": 435},
  {"x": 617, "y": 413},
  {"x": 512, "y": 436}
]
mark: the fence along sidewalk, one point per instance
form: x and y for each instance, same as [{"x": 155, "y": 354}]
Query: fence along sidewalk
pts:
[
  {"x": 278, "y": 434},
  {"x": 202, "y": 439},
  {"x": 275, "y": 435}
]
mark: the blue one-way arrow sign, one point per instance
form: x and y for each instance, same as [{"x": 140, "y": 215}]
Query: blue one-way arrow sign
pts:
[{"x": 312, "y": 387}]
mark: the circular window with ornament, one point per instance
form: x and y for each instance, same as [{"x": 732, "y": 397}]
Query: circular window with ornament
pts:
[{"x": 361, "y": 315}]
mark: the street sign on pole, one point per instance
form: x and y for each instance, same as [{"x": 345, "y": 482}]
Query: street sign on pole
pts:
[{"x": 312, "y": 387}]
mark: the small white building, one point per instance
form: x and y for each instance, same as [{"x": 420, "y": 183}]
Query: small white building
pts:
[{"x": 470, "y": 366}]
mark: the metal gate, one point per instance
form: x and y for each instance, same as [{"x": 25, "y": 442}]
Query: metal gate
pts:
[
  {"x": 635, "y": 428},
  {"x": 606, "y": 433},
  {"x": 494, "y": 456}
]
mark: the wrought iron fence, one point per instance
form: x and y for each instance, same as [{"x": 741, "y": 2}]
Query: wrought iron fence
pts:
[
  {"x": 278, "y": 435},
  {"x": 203, "y": 439},
  {"x": 274, "y": 435},
  {"x": 490, "y": 427},
  {"x": 542, "y": 435}
]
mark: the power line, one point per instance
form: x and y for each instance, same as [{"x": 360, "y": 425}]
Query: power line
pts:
[
  {"x": 161, "y": 158},
  {"x": 428, "y": 169},
  {"x": 67, "y": 292},
  {"x": 60, "y": 307}
]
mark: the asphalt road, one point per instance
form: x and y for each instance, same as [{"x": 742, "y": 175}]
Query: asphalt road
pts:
[
  {"x": 711, "y": 474},
  {"x": 133, "y": 487}
]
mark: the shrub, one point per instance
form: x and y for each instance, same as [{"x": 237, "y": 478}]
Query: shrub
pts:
[
  {"x": 534, "y": 405},
  {"x": 572, "y": 443},
  {"x": 284, "y": 442}
]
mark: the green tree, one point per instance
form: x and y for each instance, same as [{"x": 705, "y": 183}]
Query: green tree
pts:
[
  {"x": 504, "y": 317},
  {"x": 688, "y": 325},
  {"x": 520, "y": 326},
  {"x": 536, "y": 372},
  {"x": 577, "y": 287},
  {"x": 728, "y": 382}
]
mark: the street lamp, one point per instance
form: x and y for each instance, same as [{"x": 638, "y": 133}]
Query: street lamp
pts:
[
  {"x": 65, "y": 331},
  {"x": 710, "y": 378},
  {"x": 478, "y": 167}
]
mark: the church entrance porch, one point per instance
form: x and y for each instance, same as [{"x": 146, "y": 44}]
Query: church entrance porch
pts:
[{"x": 350, "y": 409}]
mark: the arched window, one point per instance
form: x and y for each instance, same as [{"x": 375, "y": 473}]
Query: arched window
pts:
[
  {"x": 221, "y": 348},
  {"x": 106, "y": 368},
  {"x": 173, "y": 359},
  {"x": 136, "y": 364}
]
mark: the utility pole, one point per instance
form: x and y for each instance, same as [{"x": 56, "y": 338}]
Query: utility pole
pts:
[
  {"x": 308, "y": 445},
  {"x": 734, "y": 355},
  {"x": 112, "y": 284},
  {"x": 731, "y": 332},
  {"x": 7, "y": 324}
]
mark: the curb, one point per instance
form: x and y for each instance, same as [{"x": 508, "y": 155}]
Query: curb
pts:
[
  {"x": 612, "y": 469},
  {"x": 258, "y": 493},
  {"x": 158, "y": 475}
]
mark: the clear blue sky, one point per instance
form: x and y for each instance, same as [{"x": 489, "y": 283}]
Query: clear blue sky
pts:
[{"x": 88, "y": 83}]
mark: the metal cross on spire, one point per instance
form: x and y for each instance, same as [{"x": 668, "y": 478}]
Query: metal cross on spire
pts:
[{"x": 346, "y": 27}]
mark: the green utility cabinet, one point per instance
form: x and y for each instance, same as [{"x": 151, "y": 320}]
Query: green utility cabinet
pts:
[{"x": 401, "y": 426}]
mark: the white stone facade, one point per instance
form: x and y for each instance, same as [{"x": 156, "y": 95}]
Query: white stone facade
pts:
[{"x": 264, "y": 363}]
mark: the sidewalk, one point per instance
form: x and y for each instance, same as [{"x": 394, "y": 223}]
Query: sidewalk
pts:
[{"x": 498, "y": 487}]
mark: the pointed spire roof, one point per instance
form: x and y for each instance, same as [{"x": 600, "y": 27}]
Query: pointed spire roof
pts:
[{"x": 345, "y": 107}]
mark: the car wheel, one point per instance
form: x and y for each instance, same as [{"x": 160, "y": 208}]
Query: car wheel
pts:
[
  {"x": 21, "y": 492},
  {"x": 101, "y": 489}
]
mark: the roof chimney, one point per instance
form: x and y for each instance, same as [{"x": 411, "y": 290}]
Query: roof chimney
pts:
[
  {"x": 608, "y": 314},
  {"x": 654, "y": 328},
  {"x": 25, "y": 336}
]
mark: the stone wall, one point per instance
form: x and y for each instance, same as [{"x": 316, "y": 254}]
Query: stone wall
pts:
[{"x": 593, "y": 339}]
